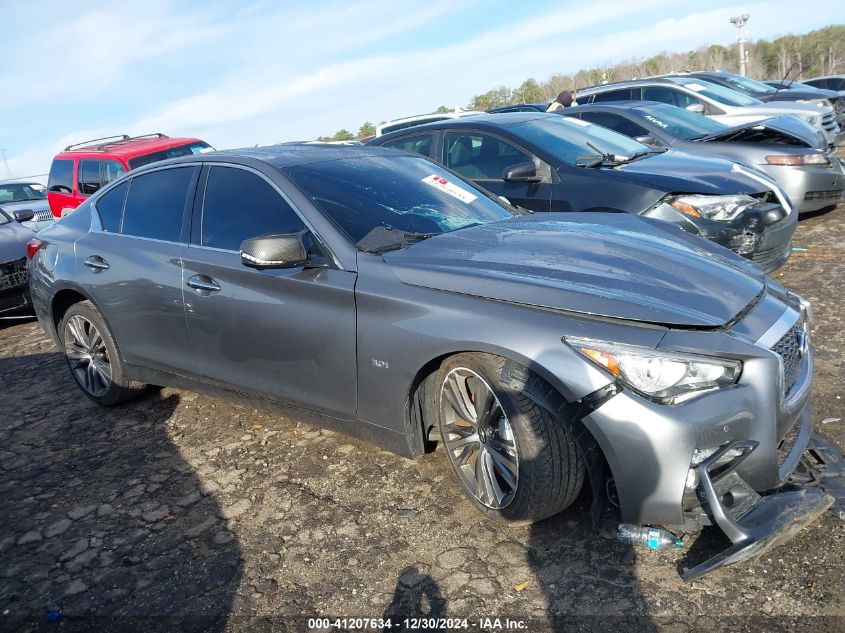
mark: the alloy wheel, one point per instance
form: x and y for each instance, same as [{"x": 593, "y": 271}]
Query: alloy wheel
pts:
[
  {"x": 87, "y": 356},
  {"x": 479, "y": 438}
]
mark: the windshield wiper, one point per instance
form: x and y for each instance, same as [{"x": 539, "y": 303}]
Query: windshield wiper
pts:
[
  {"x": 382, "y": 239},
  {"x": 600, "y": 158}
]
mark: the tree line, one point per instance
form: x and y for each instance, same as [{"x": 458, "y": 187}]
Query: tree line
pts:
[{"x": 819, "y": 52}]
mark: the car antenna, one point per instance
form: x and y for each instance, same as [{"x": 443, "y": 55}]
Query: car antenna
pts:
[{"x": 780, "y": 84}]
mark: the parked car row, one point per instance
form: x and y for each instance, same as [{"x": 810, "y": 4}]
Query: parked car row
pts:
[
  {"x": 529, "y": 290},
  {"x": 544, "y": 162}
]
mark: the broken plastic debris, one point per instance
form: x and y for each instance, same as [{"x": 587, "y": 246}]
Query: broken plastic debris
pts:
[
  {"x": 830, "y": 420},
  {"x": 258, "y": 427},
  {"x": 520, "y": 586},
  {"x": 798, "y": 249}
]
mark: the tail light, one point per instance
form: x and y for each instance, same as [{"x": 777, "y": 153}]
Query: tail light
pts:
[{"x": 32, "y": 247}]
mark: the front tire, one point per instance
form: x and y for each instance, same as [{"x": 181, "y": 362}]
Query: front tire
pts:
[
  {"x": 92, "y": 357},
  {"x": 512, "y": 458}
]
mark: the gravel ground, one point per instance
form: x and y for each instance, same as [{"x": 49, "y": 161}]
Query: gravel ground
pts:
[{"x": 181, "y": 510}]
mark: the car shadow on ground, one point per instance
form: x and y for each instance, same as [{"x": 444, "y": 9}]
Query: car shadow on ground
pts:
[{"x": 102, "y": 522}]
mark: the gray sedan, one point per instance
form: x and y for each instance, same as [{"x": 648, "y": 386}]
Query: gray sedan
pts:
[
  {"x": 375, "y": 292},
  {"x": 810, "y": 177}
]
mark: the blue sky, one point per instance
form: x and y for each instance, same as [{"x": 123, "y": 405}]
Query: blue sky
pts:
[{"x": 239, "y": 73}]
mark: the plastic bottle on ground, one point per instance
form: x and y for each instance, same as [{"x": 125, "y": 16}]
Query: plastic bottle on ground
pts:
[{"x": 650, "y": 537}]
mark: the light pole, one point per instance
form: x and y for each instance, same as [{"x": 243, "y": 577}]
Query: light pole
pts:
[{"x": 739, "y": 22}]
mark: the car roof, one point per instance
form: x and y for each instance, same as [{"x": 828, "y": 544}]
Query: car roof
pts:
[
  {"x": 625, "y": 83},
  {"x": 3, "y": 183},
  {"x": 497, "y": 109},
  {"x": 283, "y": 155},
  {"x": 127, "y": 148},
  {"x": 490, "y": 121},
  {"x": 617, "y": 105}
]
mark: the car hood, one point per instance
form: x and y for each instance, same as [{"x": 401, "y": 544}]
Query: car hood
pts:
[
  {"x": 794, "y": 94},
  {"x": 777, "y": 108},
  {"x": 25, "y": 204},
  {"x": 13, "y": 239},
  {"x": 603, "y": 264},
  {"x": 787, "y": 130},
  {"x": 677, "y": 172}
]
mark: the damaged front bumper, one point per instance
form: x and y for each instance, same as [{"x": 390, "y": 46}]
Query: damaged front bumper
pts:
[
  {"x": 754, "y": 523},
  {"x": 762, "y": 233}
]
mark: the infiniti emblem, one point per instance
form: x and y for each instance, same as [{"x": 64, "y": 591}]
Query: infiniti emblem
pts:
[{"x": 803, "y": 342}]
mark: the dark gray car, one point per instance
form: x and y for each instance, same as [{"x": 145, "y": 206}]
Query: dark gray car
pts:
[
  {"x": 380, "y": 294},
  {"x": 14, "y": 278}
]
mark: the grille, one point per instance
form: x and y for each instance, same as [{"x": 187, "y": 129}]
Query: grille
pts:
[
  {"x": 14, "y": 274},
  {"x": 832, "y": 195},
  {"x": 43, "y": 214},
  {"x": 789, "y": 349}
]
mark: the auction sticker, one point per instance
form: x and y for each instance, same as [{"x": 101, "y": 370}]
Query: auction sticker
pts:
[{"x": 448, "y": 187}]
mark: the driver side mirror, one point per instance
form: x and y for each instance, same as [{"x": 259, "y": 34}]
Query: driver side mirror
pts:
[
  {"x": 521, "y": 172},
  {"x": 281, "y": 250},
  {"x": 698, "y": 108},
  {"x": 23, "y": 215},
  {"x": 649, "y": 140}
]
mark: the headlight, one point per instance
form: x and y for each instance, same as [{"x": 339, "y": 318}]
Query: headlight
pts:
[
  {"x": 812, "y": 119},
  {"x": 722, "y": 208},
  {"x": 798, "y": 159},
  {"x": 664, "y": 376}
]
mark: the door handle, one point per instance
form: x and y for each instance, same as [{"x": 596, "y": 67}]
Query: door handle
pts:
[
  {"x": 203, "y": 284},
  {"x": 96, "y": 263}
]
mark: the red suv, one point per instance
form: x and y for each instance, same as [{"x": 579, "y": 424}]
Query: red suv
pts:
[{"x": 81, "y": 169}]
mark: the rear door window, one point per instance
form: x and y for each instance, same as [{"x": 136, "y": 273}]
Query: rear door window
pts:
[
  {"x": 615, "y": 123},
  {"x": 239, "y": 205},
  {"x": 112, "y": 170},
  {"x": 481, "y": 156},
  {"x": 61, "y": 176},
  {"x": 625, "y": 94},
  {"x": 155, "y": 204},
  {"x": 110, "y": 207},
  {"x": 418, "y": 144},
  {"x": 674, "y": 97},
  {"x": 89, "y": 177}
]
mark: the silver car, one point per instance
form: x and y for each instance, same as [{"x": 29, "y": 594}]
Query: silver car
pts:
[
  {"x": 378, "y": 293},
  {"x": 723, "y": 104},
  {"x": 27, "y": 203}
]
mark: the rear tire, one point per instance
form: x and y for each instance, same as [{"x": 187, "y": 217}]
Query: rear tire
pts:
[
  {"x": 515, "y": 461},
  {"x": 93, "y": 358}
]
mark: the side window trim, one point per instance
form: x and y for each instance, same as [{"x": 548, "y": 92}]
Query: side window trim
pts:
[{"x": 200, "y": 200}]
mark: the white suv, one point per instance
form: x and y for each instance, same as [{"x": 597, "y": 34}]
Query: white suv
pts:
[
  {"x": 726, "y": 105},
  {"x": 411, "y": 121}
]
